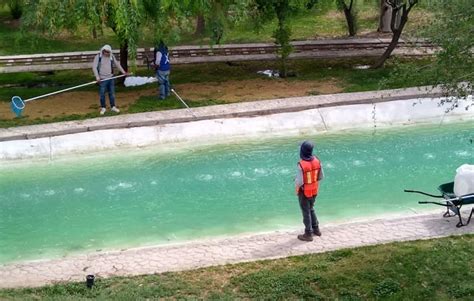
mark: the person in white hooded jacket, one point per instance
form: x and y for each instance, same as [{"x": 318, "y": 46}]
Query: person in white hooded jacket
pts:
[{"x": 103, "y": 68}]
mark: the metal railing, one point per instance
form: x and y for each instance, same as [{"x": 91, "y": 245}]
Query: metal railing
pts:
[{"x": 220, "y": 53}]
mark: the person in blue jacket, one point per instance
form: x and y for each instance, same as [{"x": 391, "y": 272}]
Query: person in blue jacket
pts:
[{"x": 163, "y": 67}]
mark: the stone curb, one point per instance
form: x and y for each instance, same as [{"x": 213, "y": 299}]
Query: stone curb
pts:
[{"x": 245, "y": 109}]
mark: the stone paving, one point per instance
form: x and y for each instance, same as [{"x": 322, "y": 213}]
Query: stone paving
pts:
[{"x": 221, "y": 251}]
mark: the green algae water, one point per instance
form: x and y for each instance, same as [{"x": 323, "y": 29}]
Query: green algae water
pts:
[{"x": 154, "y": 196}]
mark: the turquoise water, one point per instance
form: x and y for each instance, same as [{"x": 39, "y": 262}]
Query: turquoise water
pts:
[{"x": 153, "y": 196}]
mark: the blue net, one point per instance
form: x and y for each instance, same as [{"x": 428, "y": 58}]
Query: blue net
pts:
[{"x": 17, "y": 105}]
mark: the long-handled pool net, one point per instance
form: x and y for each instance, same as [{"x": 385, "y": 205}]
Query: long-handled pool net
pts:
[
  {"x": 18, "y": 104},
  {"x": 184, "y": 103}
]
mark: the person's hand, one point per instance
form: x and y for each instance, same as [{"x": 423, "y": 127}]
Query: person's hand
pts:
[{"x": 98, "y": 80}]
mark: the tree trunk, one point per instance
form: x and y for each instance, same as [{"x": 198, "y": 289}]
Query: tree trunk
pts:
[
  {"x": 16, "y": 9},
  {"x": 350, "y": 21},
  {"x": 124, "y": 55},
  {"x": 200, "y": 25},
  {"x": 385, "y": 17},
  {"x": 94, "y": 32},
  {"x": 284, "y": 67},
  {"x": 396, "y": 36}
]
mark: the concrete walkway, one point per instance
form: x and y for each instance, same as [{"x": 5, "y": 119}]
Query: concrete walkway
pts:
[{"x": 220, "y": 251}]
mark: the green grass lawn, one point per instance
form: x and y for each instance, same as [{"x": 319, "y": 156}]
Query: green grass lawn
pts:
[
  {"x": 342, "y": 71},
  {"x": 438, "y": 269},
  {"x": 32, "y": 84}
]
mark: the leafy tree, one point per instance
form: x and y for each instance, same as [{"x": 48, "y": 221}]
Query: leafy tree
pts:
[
  {"x": 266, "y": 10},
  {"x": 15, "y": 7},
  {"x": 200, "y": 8},
  {"x": 216, "y": 16},
  {"x": 126, "y": 18},
  {"x": 122, "y": 16},
  {"x": 398, "y": 6},
  {"x": 452, "y": 31},
  {"x": 166, "y": 18}
]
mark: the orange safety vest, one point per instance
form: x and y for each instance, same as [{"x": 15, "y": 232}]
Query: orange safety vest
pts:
[{"x": 311, "y": 170}]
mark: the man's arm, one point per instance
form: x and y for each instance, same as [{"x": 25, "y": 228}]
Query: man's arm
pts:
[
  {"x": 119, "y": 66},
  {"x": 94, "y": 67},
  {"x": 158, "y": 59},
  {"x": 321, "y": 174},
  {"x": 298, "y": 178}
]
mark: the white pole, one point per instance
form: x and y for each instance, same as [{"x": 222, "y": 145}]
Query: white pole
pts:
[
  {"x": 72, "y": 88},
  {"x": 189, "y": 109}
]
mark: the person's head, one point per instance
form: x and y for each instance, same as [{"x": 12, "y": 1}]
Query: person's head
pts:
[
  {"x": 306, "y": 151},
  {"x": 162, "y": 47},
  {"x": 106, "y": 50}
]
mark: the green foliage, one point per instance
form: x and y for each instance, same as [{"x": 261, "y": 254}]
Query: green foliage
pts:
[
  {"x": 219, "y": 15},
  {"x": 274, "y": 284},
  {"x": 16, "y": 8},
  {"x": 451, "y": 30},
  {"x": 339, "y": 72},
  {"x": 461, "y": 290},
  {"x": 386, "y": 288},
  {"x": 167, "y": 19},
  {"x": 318, "y": 22},
  {"x": 340, "y": 254},
  {"x": 281, "y": 9},
  {"x": 125, "y": 17}
]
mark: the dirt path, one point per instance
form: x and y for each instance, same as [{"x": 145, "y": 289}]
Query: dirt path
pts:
[{"x": 231, "y": 91}]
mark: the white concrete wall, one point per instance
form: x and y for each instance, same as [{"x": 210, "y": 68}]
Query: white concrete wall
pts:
[{"x": 394, "y": 113}]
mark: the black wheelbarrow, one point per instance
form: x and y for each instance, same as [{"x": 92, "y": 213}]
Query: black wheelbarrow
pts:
[{"x": 452, "y": 202}]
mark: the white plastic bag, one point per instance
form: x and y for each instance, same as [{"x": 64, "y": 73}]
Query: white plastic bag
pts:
[
  {"x": 138, "y": 80},
  {"x": 464, "y": 180}
]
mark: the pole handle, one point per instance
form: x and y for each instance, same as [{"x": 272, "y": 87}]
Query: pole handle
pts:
[
  {"x": 72, "y": 88},
  {"x": 184, "y": 103},
  {"x": 424, "y": 193}
]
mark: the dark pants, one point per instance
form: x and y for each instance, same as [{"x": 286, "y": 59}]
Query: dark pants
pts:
[
  {"x": 110, "y": 87},
  {"x": 310, "y": 220}
]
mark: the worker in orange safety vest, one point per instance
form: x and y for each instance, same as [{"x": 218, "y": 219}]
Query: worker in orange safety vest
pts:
[{"x": 309, "y": 173}]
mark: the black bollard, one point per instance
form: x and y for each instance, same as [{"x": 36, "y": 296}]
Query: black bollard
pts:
[{"x": 90, "y": 280}]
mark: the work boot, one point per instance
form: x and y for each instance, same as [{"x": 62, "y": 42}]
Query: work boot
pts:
[
  {"x": 305, "y": 237},
  {"x": 316, "y": 231}
]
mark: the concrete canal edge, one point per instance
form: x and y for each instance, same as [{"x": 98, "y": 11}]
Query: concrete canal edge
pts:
[{"x": 297, "y": 115}]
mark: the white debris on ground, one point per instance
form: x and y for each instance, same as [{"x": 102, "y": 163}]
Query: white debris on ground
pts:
[
  {"x": 269, "y": 73},
  {"x": 361, "y": 67},
  {"x": 132, "y": 81}
]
